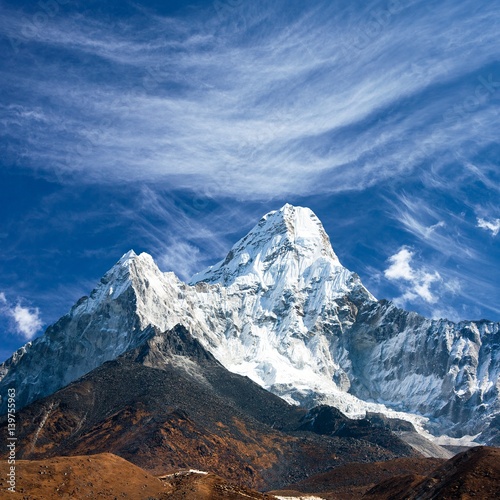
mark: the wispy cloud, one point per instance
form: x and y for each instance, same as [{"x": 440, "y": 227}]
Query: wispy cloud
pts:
[
  {"x": 434, "y": 225},
  {"x": 251, "y": 111},
  {"x": 179, "y": 232},
  {"x": 181, "y": 257},
  {"x": 492, "y": 225},
  {"x": 441, "y": 224},
  {"x": 26, "y": 321}
]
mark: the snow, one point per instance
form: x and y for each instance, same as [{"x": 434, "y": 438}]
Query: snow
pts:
[
  {"x": 307, "y": 497},
  {"x": 184, "y": 473},
  {"x": 465, "y": 440},
  {"x": 280, "y": 309},
  {"x": 256, "y": 256}
]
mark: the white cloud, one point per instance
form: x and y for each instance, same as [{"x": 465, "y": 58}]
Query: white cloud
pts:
[
  {"x": 492, "y": 225},
  {"x": 417, "y": 283},
  {"x": 26, "y": 320},
  {"x": 177, "y": 256},
  {"x": 256, "y": 119},
  {"x": 433, "y": 228},
  {"x": 400, "y": 266},
  {"x": 180, "y": 257}
]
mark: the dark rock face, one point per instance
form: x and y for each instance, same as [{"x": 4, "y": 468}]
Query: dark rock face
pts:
[
  {"x": 323, "y": 420},
  {"x": 492, "y": 432},
  {"x": 352, "y": 481},
  {"x": 76, "y": 344},
  {"x": 329, "y": 421},
  {"x": 393, "y": 424},
  {"x": 190, "y": 413}
]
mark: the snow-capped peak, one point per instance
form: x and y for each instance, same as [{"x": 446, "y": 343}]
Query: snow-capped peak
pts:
[
  {"x": 131, "y": 260},
  {"x": 303, "y": 229},
  {"x": 130, "y": 270},
  {"x": 286, "y": 241},
  {"x": 130, "y": 255}
]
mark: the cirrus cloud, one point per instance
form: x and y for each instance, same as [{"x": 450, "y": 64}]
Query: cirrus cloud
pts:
[{"x": 223, "y": 109}]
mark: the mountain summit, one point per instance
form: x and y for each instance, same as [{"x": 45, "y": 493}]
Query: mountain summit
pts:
[
  {"x": 290, "y": 240},
  {"x": 282, "y": 310}
]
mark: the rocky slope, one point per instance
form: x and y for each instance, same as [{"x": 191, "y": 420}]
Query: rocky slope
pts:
[
  {"x": 107, "y": 476},
  {"x": 282, "y": 310},
  {"x": 472, "y": 474},
  {"x": 169, "y": 404},
  {"x": 352, "y": 481}
]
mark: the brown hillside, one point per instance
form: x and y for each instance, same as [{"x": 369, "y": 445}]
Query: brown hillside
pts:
[
  {"x": 103, "y": 476},
  {"x": 107, "y": 476},
  {"x": 474, "y": 473},
  {"x": 352, "y": 480}
]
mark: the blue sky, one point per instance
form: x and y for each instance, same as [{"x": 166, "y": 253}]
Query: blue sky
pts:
[{"x": 171, "y": 127}]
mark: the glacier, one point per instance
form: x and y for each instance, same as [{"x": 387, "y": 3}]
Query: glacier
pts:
[{"x": 282, "y": 310}]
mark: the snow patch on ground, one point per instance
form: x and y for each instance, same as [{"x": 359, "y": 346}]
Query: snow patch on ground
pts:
[
  {"x": 195, "y": 471},
  {"x": 279, "y": 497},
  {"x": 449, "y": 441}
]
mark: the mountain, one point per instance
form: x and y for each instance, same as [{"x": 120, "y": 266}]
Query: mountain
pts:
[
  {"x": 282, "y": 310},
  {"x": 169, "y": 404}
]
